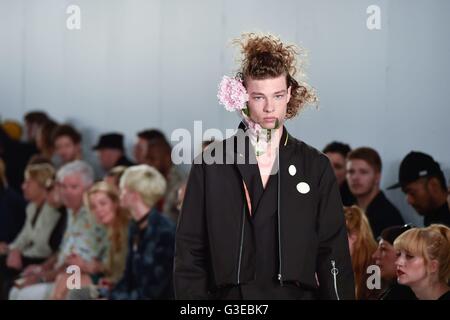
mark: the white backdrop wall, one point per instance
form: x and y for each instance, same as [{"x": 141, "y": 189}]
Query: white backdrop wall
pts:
[{"x": 138, "y": 64}]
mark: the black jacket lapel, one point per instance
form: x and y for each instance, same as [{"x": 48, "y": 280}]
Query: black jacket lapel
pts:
[{"x": 248, "y": 167}]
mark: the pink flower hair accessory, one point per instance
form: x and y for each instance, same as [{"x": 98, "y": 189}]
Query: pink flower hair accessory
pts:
[{"x": 232, "y": 94}]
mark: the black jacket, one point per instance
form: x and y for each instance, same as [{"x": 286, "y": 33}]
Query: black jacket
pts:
[{"x": 311, "y": 230}]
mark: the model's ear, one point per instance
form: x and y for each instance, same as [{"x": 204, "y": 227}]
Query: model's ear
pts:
[{"x": 289, "y": 94}]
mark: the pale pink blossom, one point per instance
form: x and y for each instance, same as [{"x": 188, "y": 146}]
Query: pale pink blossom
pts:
[{"x": 232, "y": 94}]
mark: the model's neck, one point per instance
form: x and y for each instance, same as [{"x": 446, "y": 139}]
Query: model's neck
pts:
[{"x": 276, "y": 137}]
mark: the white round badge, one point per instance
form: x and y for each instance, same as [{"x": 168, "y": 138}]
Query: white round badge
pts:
[
  {"x": 292, "y": 170},
  {"x": 303, "y": 187}
]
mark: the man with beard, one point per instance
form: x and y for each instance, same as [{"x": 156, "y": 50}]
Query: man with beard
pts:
[{"x": 423, "y": 183}]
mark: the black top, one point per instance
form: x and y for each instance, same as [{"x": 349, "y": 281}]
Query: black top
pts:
[
  {"x": 398, "y": 292},
  {"x": 149, "y": 262},
  {"x": 260, "y": 245},
  {"x": 445, "y": 296},
  {"x": 124, "y": 161},
  {"x": 440, "y": 215},
  {"x": 382, "y": 214},
  {"x": 16, "y": 155},
  {"x": 347, "y": 197},
  {"x": 12, "y": 214}
]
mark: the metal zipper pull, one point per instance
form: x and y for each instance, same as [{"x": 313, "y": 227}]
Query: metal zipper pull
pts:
[
  {"x": 280, "y": 278},
  {"x": 334, "y": 272}
]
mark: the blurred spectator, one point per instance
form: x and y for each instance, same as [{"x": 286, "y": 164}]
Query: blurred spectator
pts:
[
  {"x": 16, "y": 153},
  {"x": 149, "y": 266},
  {"x": 423, "y": 182},
  {"x": 44, "y": 139},
  {"x": 12, "y": 212},
  {"x": 144, "y": 138},
  {"x": 33, "y": 120},
  {"x": 384, "y": 257},
  {"x": 103, "y": 202},
  {"x": 35, "y": 242},
  {"x": 13, "y": 129},
  {"x": 67, "y": 142},
  {"x": 159, "y": 156},
  {"x": 423, "y": 261},
  {"x": 337, "y": 153},
  {"x": 363, "y": 176},
  {"x": 111, "y": 152},
  {"x": 362, "y": 246}
]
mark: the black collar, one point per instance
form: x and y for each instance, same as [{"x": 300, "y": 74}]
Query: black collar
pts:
[{"x": 142, "y": 220}]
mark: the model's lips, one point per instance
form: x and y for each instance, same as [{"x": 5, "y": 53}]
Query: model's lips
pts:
[
  {"x": 270, "y": 119},
  {"x": 400, "y": 273}
]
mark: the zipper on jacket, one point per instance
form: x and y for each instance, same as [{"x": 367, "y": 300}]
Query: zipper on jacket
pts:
[
  {"x": 241, "y": 245},
  {"x": 280, "y": 275},
  {"x": 334, "y": 272}
]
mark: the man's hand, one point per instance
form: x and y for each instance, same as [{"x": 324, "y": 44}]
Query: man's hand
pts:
[{"x": 14, "y": 260}]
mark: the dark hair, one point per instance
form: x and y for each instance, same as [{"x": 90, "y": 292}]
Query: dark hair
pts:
[
  {"x": 38, "y": 117},
  {"x": 39, "y": 159},
  {"x": 67, "y": 130},
  {"x": 46, "y": 132},
  {"x": 337, "y": 147},
  {"x": 266, "y": 56},
  {"x": 162, "y": 145},
  {"x": 367, "y": 154},
  {"x": 391, "y": 233},
  {"x": 151, "y": 134}
]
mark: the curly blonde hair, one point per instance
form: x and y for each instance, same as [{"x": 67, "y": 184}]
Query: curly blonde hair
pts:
[{"x": 265, "y": 56}]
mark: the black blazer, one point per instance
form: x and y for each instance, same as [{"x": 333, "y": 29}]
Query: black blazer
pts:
[{"x": 312, "y": 233}]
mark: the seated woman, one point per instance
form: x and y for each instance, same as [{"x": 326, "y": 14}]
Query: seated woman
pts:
[
  {"x": 102, "y": 201},
  {"x": 384, "y": 257},
  {"x": 35, "y": 241},
  {"x": 362, "y": 246},
  {"x": 423, "y": 261}
]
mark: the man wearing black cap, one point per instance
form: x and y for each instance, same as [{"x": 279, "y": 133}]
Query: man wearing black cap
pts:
[
  {"x": 423, "y": 182},
  {"x": 111, "y": 151}
]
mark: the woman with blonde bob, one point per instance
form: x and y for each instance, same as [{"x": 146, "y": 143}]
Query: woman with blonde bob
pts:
[
  {"x": 362, "y": 245},
  {"x": 423, "y": 261},
  {"x": 102, "y": 199}
]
